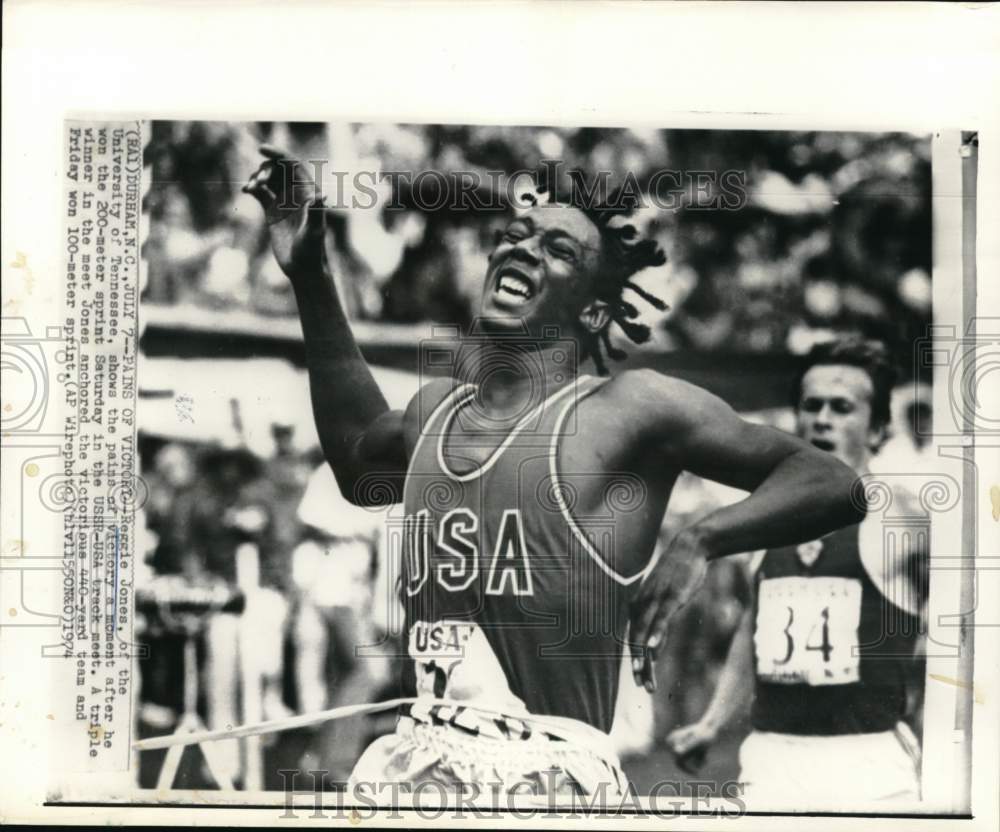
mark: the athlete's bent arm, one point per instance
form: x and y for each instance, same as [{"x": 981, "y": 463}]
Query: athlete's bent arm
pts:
[
  {"x": 358, "y": 432},
  {"x": 798, "y": 492}
]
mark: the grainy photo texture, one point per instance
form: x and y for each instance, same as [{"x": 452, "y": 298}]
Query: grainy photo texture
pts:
[{"x": 560, "y": 467}]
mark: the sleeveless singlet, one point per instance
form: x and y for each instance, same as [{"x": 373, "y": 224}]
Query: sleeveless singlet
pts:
[
  {"x": 509, "y": 597},
  {"x": 831, "y": 652}
]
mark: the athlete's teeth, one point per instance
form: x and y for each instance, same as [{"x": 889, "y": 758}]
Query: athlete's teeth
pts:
[{"x": 514, "y": 285}]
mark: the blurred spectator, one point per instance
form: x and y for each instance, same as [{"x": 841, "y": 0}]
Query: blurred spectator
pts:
[
  {"x": 286, "y": 473},
  {"x": 171, "y": 476},
  {"x": 334, "y": 571},
  {"x": 909, "y": 447},
  {"x": 834, "y": 236}
]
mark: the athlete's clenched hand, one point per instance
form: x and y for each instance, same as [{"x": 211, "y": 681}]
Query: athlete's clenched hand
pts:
[
  {"x": 670, "y": 584},
  {"x": 294, "y": 210},
  {"x": 690, "y": 745}
]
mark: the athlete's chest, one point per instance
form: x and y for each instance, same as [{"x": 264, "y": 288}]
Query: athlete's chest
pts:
[
  {"x": 577, "y": 429},
  {"x": 473, "y": 488},
  {"x": 493, "y": 513},
  {"x": 815, "y": 611},
  {"x": 836, "y": 555},
  {"x": 462, "y": 443}
]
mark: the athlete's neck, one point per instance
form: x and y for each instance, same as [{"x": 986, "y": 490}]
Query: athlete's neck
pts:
[{"x": 511, "y": 379}]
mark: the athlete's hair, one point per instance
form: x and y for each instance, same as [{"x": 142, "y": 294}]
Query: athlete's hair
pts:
[
  {"x": 870, "y": 356},
  {"x": 623, "y": 254}
]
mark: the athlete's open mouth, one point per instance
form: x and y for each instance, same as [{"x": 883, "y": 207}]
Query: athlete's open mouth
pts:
[
  {"x": 823, "y": 444},
  {"x": 514, "y": 285}
]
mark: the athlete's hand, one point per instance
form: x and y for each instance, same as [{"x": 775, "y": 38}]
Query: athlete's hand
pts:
[
  {"x": 672, "y": 582},
  {"x": 293, "y": 207},
  {"x": 690, "y": 744}
]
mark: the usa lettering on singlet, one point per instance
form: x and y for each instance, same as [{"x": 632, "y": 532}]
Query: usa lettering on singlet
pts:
[
  {"x": 510, "y": 599},
  {"x": 831, "y": 651}
]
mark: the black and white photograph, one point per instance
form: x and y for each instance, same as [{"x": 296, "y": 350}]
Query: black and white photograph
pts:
[
  {"x": 500, "y": 414},
  {"x": 553, "y": 448}
]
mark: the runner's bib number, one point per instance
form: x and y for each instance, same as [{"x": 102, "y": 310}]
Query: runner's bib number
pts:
[
  {"x": 454, "y": 660},
  {"x": 807, "y": 630},
  {"x": 437, "y": 648}
]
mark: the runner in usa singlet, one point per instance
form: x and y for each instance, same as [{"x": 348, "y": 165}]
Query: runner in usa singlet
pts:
[
  {"x": 510, "y": 599},
  {"x": 519, "y": 579}
]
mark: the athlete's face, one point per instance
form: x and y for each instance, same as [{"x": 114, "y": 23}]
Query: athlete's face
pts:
[
  {"x": 541, "y": 271},
  {"x": 834, "y": 413}
]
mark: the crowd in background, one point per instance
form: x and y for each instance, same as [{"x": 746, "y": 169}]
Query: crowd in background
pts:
[
  {"x": 835, "y": 233},
  {"x": 835, "y": 237}
]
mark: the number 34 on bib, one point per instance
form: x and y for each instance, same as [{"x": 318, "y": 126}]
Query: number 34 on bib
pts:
[{"x": 807, "y": 630}]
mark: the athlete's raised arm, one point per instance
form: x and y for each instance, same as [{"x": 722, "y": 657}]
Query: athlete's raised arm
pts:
[
  {"x": 358, "y": 432},
  {"x": 797, "y": 492}
]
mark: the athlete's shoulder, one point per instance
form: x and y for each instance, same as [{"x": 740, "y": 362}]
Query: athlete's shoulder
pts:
[
  {"x": 423, "y": 404},
  {"x": 647, "y": 395}
]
